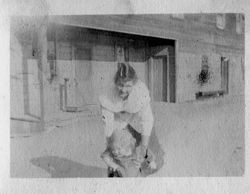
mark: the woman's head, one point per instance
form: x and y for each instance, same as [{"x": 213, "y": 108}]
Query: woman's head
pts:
[{"x": 125, "y": 78}]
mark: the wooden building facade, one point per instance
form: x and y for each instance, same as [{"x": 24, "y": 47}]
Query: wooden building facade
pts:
[{"x": 61, "y": 64}]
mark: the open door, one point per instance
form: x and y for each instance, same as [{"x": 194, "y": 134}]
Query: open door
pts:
[
  {"x": 162, "y": 79},
  {"x": 159, "y": 89}
]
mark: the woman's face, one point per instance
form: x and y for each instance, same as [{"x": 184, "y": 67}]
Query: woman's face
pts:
[{"x": 125, "y": 88}]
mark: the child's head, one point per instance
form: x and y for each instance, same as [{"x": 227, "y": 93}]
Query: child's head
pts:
[{"x": 122, "y": 143}]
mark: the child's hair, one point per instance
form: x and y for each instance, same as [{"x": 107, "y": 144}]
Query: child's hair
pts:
[{"x": 124, "y": 74}]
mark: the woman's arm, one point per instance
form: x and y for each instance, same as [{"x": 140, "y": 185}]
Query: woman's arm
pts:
[
  {"x": 145, "y": 140},
  {"x": 147, "y": 122},
  {"x": 147, "y": 125},
  {"x": 139, "y": 103},
  {"x": 111, "y": 106}
]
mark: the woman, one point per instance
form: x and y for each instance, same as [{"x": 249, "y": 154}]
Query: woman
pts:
[{"x": 129, "y": 104}]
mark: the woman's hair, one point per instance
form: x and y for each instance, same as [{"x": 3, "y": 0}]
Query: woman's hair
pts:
[{"x": 125, "y": 73}]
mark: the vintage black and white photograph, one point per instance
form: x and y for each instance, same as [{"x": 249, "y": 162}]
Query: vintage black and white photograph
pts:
[{"x": 127, "y": 95}]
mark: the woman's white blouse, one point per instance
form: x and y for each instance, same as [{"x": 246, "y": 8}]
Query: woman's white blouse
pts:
[{"x": 138, "y": 104}]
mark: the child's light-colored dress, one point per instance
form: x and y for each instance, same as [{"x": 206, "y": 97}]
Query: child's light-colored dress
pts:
[{"x": 121, "y": 148}]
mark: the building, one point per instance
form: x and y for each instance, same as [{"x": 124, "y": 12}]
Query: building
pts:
[{"x": 60, "y": 64}]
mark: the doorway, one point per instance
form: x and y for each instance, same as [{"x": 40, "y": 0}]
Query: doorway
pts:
[
  {"x": 160, "y": 83},
  {"x": 162, "y": 76}
]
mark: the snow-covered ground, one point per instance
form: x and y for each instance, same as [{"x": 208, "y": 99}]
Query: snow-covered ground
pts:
[{"x": 200, "y": 138}]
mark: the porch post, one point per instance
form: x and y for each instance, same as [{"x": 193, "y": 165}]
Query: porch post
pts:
[{"x": 42, "y": 63}]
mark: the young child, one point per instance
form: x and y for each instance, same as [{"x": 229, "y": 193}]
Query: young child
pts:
[{"x": 122, "y": 157}]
